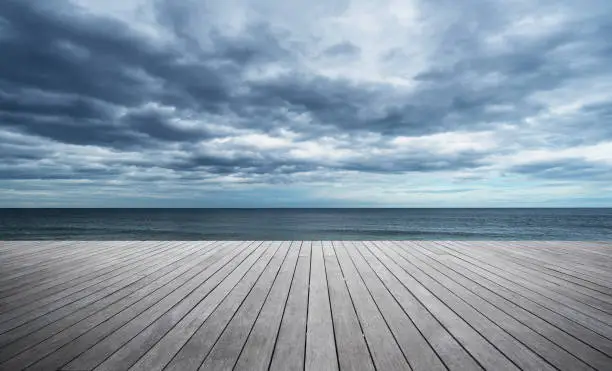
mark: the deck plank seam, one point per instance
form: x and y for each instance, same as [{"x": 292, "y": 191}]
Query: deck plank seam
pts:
[
  {"x": 246, "y": 297},
  {"x": 103, "y": 297},
  {"x": 284, "y": 308},
  {"x": 244, "y": 248},
  {"x": 457, "y": 314},
  {"x": 94, "y": 327},
  {"x": 532, "y": 290},
  {"x": 527, "y": 309},
  {"x": 354, "y": 310},
  {"x": 378, "y": 308},
  {"x": 503, "y": 311}
]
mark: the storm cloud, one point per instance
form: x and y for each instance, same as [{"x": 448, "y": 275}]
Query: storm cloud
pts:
[{"x": 342, "y": 102}]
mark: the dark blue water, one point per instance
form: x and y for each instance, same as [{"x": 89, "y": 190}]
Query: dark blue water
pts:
[{"x": 306, "y": 224}]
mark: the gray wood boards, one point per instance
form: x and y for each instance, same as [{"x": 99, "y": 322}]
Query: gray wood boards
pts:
[{"x": 305, "y": 305}]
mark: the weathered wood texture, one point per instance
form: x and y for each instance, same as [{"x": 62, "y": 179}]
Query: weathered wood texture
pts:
[{"x": 306, "y": 305}]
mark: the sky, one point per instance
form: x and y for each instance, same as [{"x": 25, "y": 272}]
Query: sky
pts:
[{"x": 305, "y": 103}]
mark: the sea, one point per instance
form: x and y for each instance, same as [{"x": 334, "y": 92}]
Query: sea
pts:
[{"x": 588, "y": 224}]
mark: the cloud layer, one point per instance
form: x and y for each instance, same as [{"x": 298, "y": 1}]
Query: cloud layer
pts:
[{"x": 332, "y": 103}]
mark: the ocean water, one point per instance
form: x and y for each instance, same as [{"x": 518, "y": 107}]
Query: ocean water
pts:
[{"x": 306, "y": 224}]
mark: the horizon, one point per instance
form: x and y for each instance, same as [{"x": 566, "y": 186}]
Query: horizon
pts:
[
  {"x": 353, "y": 104},
  {"x": 300, "y": 208}
]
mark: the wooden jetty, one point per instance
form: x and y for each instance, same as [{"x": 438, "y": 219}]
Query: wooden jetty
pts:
[{"x": 305, "y": 305}]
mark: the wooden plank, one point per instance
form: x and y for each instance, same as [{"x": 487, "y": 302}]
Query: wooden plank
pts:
[
  {"x": 419, "y": 353},
  {"x": 538, "y": 260},
  {"x": 226, "y": 351},
  {"x": 344, "y": 305},
  {"x": 158, "y": 356},
  {"x": 556, "y": 256},
  {"x": 78, "y": 258},
  {"x": 570, "y": 260},
  {"x": 12, "y": 312},
  {"x": 353, "y": 352},
  {"x": 568, "y": 313},
  {"x": 520, "y": 354},
  {"x": 501, "y": 315},
  {"x": 386, "y": 353},
  {"x": 23, "y": 270},
  {"x": 94, "y": 328},
  {"x": 16, "y": 265},
  {"x": 86, "y": 258},
  {"x": 55, "y": 320},
  {"x": 454, "y": 356},
  {"x": 194, "y": 347},
  {"x": 19, "y": 276},
  {"x": 26, "y": 253},
  {"x": 69, "y": 294},
  {"x": 135, "y": 335},
  {"x": 257, "y": 351},
  {"x": 570, "y": 344},
  {"x": 487, "y": 354},
  {"x": 532, "y": 280},
  {"x": 289, "y": 354},
  {"x": 57, "y": 328},
  {"x": 47, "y": 293},
  {"x": 597, "y": 320},
  {"x": 53, "y": 253},
  {"x": 566, "y": 324},
  {"x": 582, "y": 290},
  {"x": 320, "y": 342},
  {"x": 576, "y": 251},
  {"x": 12, "y": 248}
]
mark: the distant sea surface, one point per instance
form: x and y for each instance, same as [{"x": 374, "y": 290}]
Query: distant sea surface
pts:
[{"x": 306, "y": 224}]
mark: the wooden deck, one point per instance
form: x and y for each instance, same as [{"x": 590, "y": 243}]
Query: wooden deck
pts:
[{"x": 299, "y": 305}]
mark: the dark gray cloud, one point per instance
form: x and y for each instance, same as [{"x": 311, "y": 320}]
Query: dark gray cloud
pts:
[
  {"x": 344, "y": 49},
  {"x": 566, "y": 169},
  {"x": 159, "y": 125},
  {"x": 95, "y": 67},
  {"x": 257, "y": 94}
]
